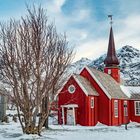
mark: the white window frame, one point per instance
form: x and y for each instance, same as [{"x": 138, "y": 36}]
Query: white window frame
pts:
[
  {"x": 116, "y": 111},
  {"x": 125, "y": 103},
  {"x": 92, "y": 102},
  {"x": 71, "y": 87},
  {"x": 137, "y": 102}
]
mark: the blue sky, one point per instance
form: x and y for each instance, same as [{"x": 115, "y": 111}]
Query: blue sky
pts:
[{"x": 86, "y": 22}]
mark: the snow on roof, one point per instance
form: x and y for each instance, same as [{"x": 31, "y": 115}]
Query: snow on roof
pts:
[
  {"x": 132, "y": 92},
  {"x": 126, "y": 91}
]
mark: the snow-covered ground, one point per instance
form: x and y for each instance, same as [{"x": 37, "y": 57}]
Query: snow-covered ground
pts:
[{"x": 12, "y": 131}]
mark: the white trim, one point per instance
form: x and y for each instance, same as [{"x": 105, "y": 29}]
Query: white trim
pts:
[
  {"x": 135, "y": 107},
  {"x": 74, "y": 120},
  {"x": 94, "y": 77},
  {"x": 83, "y": 69},
  {"x": 64, "y": 84},
  {"x": 59, "y": 91},
  {"x": 63, "y": 116},
  {"x": 73, "y": 106},
  {"x": 81, "y": 86},
  {"x": 69, "y": 105}
]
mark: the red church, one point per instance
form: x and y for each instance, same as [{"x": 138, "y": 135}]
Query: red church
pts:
[{"x": 94, "y": 96}]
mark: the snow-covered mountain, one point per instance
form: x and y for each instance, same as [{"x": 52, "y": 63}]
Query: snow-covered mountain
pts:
[
  {"x": 78, "y": 65},
  {"x": 129, "y": 64}
]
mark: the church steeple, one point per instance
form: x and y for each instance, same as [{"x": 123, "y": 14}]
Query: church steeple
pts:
[{"x": 111, "y": 61}]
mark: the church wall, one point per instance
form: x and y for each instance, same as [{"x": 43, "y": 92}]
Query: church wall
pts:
[{"x": 103, "y": 101}]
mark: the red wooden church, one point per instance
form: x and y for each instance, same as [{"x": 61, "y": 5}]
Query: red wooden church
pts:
[{"x": 94, "y": 96}]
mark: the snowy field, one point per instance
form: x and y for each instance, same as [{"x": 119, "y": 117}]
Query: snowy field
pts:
[{"x": 12, "y": 131}]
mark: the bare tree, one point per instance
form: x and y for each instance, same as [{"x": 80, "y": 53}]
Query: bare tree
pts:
[{"x": 34, "y": 58}]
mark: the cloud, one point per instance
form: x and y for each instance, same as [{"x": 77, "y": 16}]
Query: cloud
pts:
[
  {"x": 91, "y": 49},
  {"x": 54, "y": 6},
  {"x": 87, "y": 27},
  {"x": 73, "y": 23},
  {"x": 128, "y": 31},
  {"x": 90, "y": 36}
]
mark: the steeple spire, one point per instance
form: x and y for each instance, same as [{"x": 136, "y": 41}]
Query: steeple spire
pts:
[
  {"x": 111, "y": 59},
  {"x": 111, "y": 22}
]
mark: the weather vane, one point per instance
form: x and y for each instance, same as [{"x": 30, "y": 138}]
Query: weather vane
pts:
[{"x": 111, "y": 22}]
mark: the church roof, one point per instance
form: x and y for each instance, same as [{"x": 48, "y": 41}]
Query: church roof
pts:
[
  {"x": 133, "y": 92},
  {"x": 107, "y": 83},
  {"x": 111, "y": 59},
  {"x": 85, "y": 85}
]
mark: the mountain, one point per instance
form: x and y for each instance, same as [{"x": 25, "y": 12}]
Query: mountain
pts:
[
  {"x": 129, "y": 64},
  {"x": 78, "y": 65}
]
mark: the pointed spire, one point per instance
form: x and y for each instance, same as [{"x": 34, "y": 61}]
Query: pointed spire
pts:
[{"x": 111, "y": 59}]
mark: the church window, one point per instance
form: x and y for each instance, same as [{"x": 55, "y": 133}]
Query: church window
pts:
[
  {"x": 137, "y": 108},
  {"x": 125, "y": 109},
  {"x": 116, "y": 108},
  {"x": 71, "y": 89},
  {"x": 92, "y": 102}
]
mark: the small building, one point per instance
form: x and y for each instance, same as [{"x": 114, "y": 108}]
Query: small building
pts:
[{"x": 94, "y": 96}]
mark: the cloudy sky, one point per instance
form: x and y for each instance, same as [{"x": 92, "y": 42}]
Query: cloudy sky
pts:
[{"x": 85, "y": 21}]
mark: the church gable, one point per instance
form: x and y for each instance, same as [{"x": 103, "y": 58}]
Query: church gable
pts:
[
  {"x": 77, "y": 81},
  {"x": 109, "y": 86},
  {"x": 95, "y": 82}
]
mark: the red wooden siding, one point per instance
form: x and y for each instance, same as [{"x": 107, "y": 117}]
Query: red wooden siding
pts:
[
  {"x": 91, "y": 112},
  {"x": 121, "y": 119},
  {"x": 116, "y": 120},
  {"x": 103, "y": 101}
]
